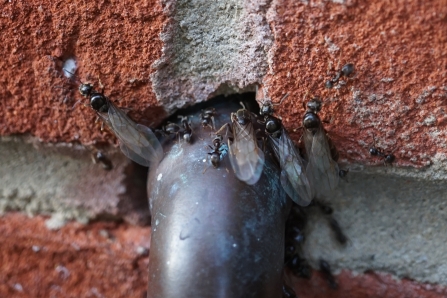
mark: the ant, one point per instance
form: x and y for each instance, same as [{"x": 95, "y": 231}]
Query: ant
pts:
[
  {"x": 187, "y": 130},
  {"x": 333, "y": 223},
  {"x": 101, "y": 158},
  {"x": 218, "y": 151},
  {"x": 325, "y": 268},
  {"x": 387, "y": 158},
  {"x": 98, "y": 101},
  {"x": 169, "y": 129},
  {"x": 288, "y": 292},
  {"x": 345, "y": 71},
  {"x": 207, "y": 117},
  {"x": 338, "y": 233},
  {"x": 273, "y": 125}
]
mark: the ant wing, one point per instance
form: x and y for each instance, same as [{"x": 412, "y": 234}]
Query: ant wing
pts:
[
  {"x": 137, "y": 141},
  {"x": 132, "y": 155},
  {"x": 293, "y": 172},
  {"x": 247, "y": 159},
  {"x": 321, "y": 169},
  {"x": 139, "y": 157}
]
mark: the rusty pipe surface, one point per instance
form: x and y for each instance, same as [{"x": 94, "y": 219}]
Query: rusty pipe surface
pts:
[{"x": 213, "y": 235}]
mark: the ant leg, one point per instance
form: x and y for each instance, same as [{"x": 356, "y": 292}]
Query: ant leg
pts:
[
  {"x": 206, "y": 163},
  {"x": 295, "y": 129},
  {"x": 284, "y": 97},
  {"x": 76, "y": 103},
  {"x": 101, "y": 85},
  {"x": 225, "y": 126},
  {"x": 102, "y": 125},
  {"x": 212, "y": 121}
]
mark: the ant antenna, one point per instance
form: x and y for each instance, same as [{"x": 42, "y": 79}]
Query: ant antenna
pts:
[
  {"x": 73, "y": 76},
  {"x": 374, "y": 139},
  {"x": 282, "y": 99}
]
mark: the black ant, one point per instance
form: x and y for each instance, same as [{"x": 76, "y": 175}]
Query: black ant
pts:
[
  {"x": 325, "y": 268},
  {"x": 338, "y": 233},
  {"x": 98, "y": 101},
  {"x": 170, "y": 129},
  {"x": 343, "y": 173},
  {"x": 288, "y": 292},
  {"x": 345, "y": 71},
  {"x": 333, "y": 223},
  {"x": 299, "y": 267},
  {"x": 273, "y": 125},
  {"x": 218, "y": 151},
  {"x": 187, "y": 130},
  {"x": 101, "y": 158},
  {"x": 387, "y": 158},
  {"x": 137, "y": 142},
  {"x": 207, "y": 117}
]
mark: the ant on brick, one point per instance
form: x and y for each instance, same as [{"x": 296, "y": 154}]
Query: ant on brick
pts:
[{"x": 388, "y": 158}]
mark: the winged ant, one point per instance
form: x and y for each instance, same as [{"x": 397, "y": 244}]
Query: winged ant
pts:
[
  {"x": 293, "y": 173},
  {"x": 322, "y": 168},
  {"x": 246, "y": 158},
  {"x": 137, "y": 141}
]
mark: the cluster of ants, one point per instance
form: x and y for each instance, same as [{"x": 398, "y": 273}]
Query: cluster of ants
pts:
[
  {"x": 140, "y": 144},
  {"x": 102, "y": 106},
  {"x": 184, "y": 129}
]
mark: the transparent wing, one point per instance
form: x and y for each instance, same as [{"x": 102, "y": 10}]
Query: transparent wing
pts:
[
  {"x": 321, "y": 169},
  {"x": 129, "y": 153},
  {"x": 137, "y": 141},
  {"x": 293, "y": 173},
  {"x": 246, "y": 158}
]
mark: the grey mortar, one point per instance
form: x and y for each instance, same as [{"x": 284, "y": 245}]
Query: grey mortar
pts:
[
  {"x": 62, "y": 181},
  {"x": 211, "y": 48},
  {"x": 395, "y": 218},
  {"x": 396, "y": 222}
]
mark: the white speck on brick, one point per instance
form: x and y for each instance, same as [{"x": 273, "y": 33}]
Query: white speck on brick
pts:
[{"x": 69, "y": 67}]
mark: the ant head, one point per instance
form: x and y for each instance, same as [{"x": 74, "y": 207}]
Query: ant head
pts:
[
  {"x": 242, "y": 116},
  {"x": 208, "y": 112},
  {"x": 390, "y": 158},
  {"x": 329, "y": 84},
  {"x": 205, "y": 121},
  {"x": 86, "y": 89},
  {"x": 347, "y": 69},
  {"x": 217, "y": 140},
  {"x": 374, "y": 151},
  {"x": 187, "y": 137},
  {"x": 314, "y": 105},
  {"x": 266, "y": 108}
]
